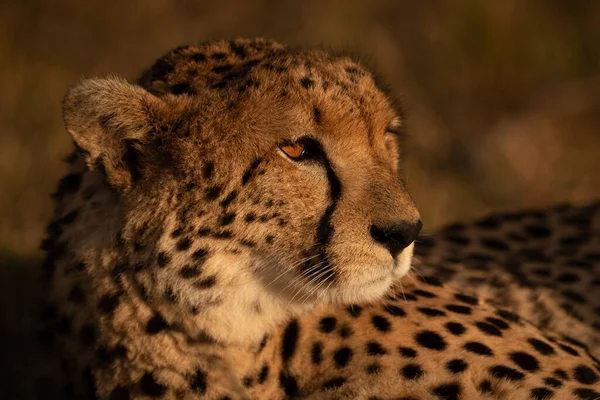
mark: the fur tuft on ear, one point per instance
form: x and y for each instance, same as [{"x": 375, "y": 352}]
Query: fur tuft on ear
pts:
[{"x": 111, "y": 120}]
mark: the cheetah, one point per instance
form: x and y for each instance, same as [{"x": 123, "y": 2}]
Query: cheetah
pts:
[{"x": 234, "y": 226}]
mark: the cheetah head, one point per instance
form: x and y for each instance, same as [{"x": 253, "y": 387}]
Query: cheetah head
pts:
[{"x": 248, "y": 169}]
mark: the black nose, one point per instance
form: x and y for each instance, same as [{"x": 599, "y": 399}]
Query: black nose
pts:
[{"x": 398, "y": 236}]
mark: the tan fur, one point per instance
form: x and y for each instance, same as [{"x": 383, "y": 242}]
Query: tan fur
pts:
[{"x": 179, "y": 257}]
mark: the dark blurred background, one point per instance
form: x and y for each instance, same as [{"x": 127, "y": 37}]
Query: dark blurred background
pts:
[{"x": 502, "y": 97}]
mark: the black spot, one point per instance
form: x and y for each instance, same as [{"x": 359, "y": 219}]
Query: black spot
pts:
[
  {"x": 575, "y": 342},
  {"x": 380, "y": 323},
  {"x": 586, "y": 394},
  {"x": 316, "y": 353},
  {"x": 457, "y": 239},
  {"x": 569, "y": 349},
  {"x": 509, "y": 316},
  {"x": 334, "y": 383},
  {"x": 206, "y": 283},
  {"x": 494, "y": 244},
  {"x": 585, "y": 375},
  {"x": 119, "y": 393},
  {"x": 288, "y": 384},
  {"x": 525, "y": 361},
  {"x": 407, "y": 352},
  {"x": 230, "y": 197},
  {"x": 342, "y": 356},
  {"x": 354, "y": 310},
  {"x": 574, "y": 296},
  {"x": 431, "y": 312},
  {"x": 488, "y": 329},
  {"x": 394, "y": 310},
  {"x": 538, "y": 231},
  {"x": 466, "y": 299},
  {"x": 411, "y": 371},
  {"x": 199, "y": 254},
  {"x": 431, "y": 280},
  {"x": 568, "y": 277},
  {"x": 247, "y": 243},
  {"x": 290, "y": 340},
  {"x": 424, "y": 293},
  {"x": 188, "y": 272},
  {"x": 561, "y": 374},
  {"x": 485, "y": 386},
  {"x": 213, "y": 192},
  {"x": 491, "y": 223},
  {"x": 163, "y": 259},
  {"x": 430, "y": 340},
  {"x": 478, "y": 348},
  {"x": 498, "y": 323},
  {"x": 541, "y": 393},
  {"x": 457, "y": 365},
  {"x": 203, "y": 231},
  {"x": 108, "y": 303},
  {"x": 317, "y": 115},
  {"x": 156, "y": 324},
  {"x": 542, "y": 347},
  {"x": 307, "y": 82},
  {"x": 373, "y": 369},
  {"x": 182, "y": 88},
  {"x": 119, "y": 269},
  {"x": 218, "y": 56},
  {"x": 238, "y": 49},
  {"x": 70, "y": 217},
  {"x": 500, "y": 372},
  {"x": 459, "y": 309},
  {"x": 223, "y": 235},
  {"x": 106, "y": 356},
  {"x": 327, "y": 324},
  {"x": 455, "y": 328},
  {"x": 184, "y": 244},
  {"x": 375, "y": 349},
  {"x": 263, "y": 374},
  {"x": 346, "y": 331},
  {"x": 449, "y": 391},
  {"x": 407, "y": 296},
  {"x": 150, "y": 387},
  {"x": 208, "y": 169},
  {"x": 555, "y": 383},
  {"x": 222, "y": 68},
  {"x": 227, "y": 219},
  {"x": 247, "y": 381},
  {"x": 198, "y": 382}
]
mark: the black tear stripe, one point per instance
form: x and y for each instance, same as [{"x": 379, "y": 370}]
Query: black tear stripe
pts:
[
  {"x": 325, "y": 228},
  {"x": 250, "y": 171}
]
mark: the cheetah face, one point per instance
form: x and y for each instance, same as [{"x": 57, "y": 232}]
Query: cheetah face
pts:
[{"x": 282, "y": 175}]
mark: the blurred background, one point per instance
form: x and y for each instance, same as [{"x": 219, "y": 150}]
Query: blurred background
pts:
[{"x": 502, "y": 97}]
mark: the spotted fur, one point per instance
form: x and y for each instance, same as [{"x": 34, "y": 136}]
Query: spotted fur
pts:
[{"x": 543, "y": 264}]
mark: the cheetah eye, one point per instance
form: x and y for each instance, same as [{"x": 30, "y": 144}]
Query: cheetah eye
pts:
[{"x": 295, "y": 150}]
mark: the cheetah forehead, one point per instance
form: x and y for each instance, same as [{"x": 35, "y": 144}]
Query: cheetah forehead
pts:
[{"x": 244, "y": 65}]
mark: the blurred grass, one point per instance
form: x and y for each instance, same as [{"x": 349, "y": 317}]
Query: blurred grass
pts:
[{"x": 502, "y": 97}]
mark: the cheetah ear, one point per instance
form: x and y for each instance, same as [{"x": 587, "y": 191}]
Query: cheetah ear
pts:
[{"x": 111, "y": 120}]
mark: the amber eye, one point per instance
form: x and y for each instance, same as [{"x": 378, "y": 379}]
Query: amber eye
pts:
[{"x": 293, "y": 150}]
